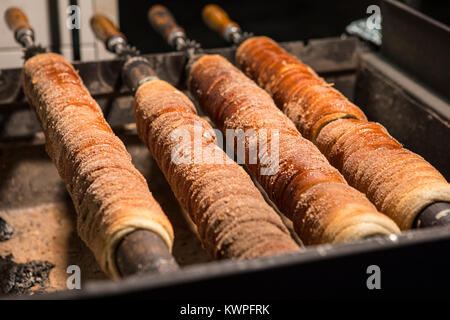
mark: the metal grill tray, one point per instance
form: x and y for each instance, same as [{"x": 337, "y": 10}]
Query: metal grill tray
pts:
[{"x": 34, "y": 200}]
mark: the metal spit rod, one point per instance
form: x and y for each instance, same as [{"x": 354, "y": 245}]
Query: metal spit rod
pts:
[{"x": 141, "y": 251}]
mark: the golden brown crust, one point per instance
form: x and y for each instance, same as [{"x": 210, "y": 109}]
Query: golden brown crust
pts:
[
  {"x": 399, "y": 182},
  {"x": 232, "y": 218},
  {"x": 306, "y": 188},
  {"x": 110, "y": 196},
  {"x": 306, "y": 98}
]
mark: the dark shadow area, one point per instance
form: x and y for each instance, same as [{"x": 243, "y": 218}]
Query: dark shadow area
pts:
[{"x": 282, "y": 20}]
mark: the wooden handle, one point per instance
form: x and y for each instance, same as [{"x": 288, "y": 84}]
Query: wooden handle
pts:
[
  {"x": 104, "y": 28},
  {"x": 163, "y": 21},
  {"x": 16, "y": 19},
  {"x": 217, "y": 19}
]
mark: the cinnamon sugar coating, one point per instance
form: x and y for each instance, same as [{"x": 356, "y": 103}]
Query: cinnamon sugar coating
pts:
[
  {"x": 399, "y": 182},
  {"x": 232, "y": 218},
  {"x": 306, "y": 188},
  {"x": 109, "y": 194},
  {"x": 303, "y": 96}
]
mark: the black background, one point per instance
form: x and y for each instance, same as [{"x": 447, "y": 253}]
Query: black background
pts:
[{"x": 282, "y": 20}]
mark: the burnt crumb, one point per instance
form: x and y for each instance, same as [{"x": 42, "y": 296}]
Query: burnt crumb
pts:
[
  {"x": 23, "y": 278},
  {"x": 6, "y": 231}
]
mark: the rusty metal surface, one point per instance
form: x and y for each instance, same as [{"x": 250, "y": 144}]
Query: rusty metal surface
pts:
[
  {"x": 34, "y": 201},
  {"x": 317, "y": 272}
]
